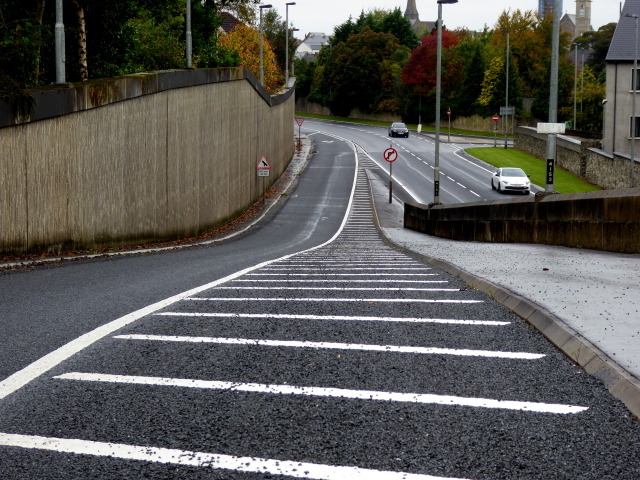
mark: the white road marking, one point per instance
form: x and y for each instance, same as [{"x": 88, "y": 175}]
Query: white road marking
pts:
[
  {"x": 341, "y": 300},
  {"x": 346, "y": 289},
  {"x": 339, "y": 274},
  {"x": 337, "y": 346},
  {"x": 337, "y": 280},
  {"x": 371, "y": 395},
  {"x": 343, "y": 318},
  {"x": 172, "y": 456}
]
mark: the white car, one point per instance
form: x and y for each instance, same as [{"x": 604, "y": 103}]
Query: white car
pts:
[{"x": 510, "y": 179}]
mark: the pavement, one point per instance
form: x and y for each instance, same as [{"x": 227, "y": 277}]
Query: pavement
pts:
[{"x": 585, "y": 302}]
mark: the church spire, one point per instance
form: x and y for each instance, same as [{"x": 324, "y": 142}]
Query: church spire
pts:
[{"x": 411, "y": 12}]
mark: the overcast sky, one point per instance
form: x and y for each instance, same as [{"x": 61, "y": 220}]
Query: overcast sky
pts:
[{"x": 324, "y": 15}]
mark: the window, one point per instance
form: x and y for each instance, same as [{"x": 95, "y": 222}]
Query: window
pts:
[
  {"x": 637, "y": 80},
  {"x": 637, "y": 135}
]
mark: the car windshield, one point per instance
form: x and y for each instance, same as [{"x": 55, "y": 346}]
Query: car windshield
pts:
[
  {"x": 398, "y": 125},
  {"x": 513, "y": 172}
]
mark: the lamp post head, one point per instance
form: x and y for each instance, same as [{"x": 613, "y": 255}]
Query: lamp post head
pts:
[
  {"x": 265, "y": 6},
  {"x": 290, "y": 3},
  {"x": 440, "y": 2}
]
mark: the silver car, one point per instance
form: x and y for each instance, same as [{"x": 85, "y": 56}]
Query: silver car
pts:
[{"x": 511, "y": 179}]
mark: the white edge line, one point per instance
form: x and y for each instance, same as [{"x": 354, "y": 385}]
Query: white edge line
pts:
[
  {"x": 213, "y": 461},
  {"x": 51, "y": 360}
]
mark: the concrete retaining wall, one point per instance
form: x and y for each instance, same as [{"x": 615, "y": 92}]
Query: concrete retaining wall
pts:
[
  {"x": 605, "y": 220},
  {"x": 137, "y": 159},
  {"x": 580, "y": 157}
]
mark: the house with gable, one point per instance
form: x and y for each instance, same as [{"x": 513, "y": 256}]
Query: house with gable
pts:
[{"x": 618, "y": 107}]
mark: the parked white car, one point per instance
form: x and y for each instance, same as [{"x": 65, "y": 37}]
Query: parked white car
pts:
[{"x": 511, "y": 179}]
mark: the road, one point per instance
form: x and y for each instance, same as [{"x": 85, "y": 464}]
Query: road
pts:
[
  {"x": 307, "y": 348},
  {"x": 463, "y": 178}
]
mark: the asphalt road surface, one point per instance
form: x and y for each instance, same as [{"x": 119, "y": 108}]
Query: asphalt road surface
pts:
[{"x": 309, "y": 348}]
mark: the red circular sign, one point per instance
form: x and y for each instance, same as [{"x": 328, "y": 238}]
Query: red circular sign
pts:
[
  {"x": 390, "y": 155},
  {"x": 449, "y": 112},
  {"x": 496, "y": 118}
]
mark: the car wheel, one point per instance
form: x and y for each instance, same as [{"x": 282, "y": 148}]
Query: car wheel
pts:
[
  {"x": 493, "y": 187},
  {"x": 499, "y": 187},
  {"x": 526, "y": 192}
]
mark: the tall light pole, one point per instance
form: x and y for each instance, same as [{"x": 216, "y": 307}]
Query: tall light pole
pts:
[
  {"x": 436, "y": 170},
  {"x": 262, "y": 46},
  {"x": 575, "y": 88},
  {"x": 188, "y": 35},
  {"x": 506, "y": 103},
  {"x": 286, "y": 44},
  {"x": 552, "y": 139},
  {"x": 59, "y": 38},
  {"x": 634, "y": 88}
]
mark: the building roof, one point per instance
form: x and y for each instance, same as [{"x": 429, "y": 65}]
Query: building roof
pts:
[
  {"x": 622, "y": 45},
  {"x": 229, "y": 22}
]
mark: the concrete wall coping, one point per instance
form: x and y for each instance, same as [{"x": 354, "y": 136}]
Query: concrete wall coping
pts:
[{"x": 57, "y": 100}]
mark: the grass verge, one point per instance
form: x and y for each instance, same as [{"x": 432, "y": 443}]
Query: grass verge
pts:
[{"x": 564, "y": 182}]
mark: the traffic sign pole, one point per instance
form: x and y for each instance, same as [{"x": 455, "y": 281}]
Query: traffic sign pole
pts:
[{"x": 390, "y": 155}]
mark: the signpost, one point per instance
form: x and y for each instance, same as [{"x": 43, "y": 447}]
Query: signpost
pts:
[
  {"x": 390, "y": 155},
  {"x": 496, "y": 119},
  {"x": 449, "y": 115},
  {"x": 299, "y": 121},
  {"x": 505, "y": 112},
  {"x": 263, "y": 167}
]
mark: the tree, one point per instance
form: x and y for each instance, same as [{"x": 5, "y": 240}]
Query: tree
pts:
[
  {"x": 598, "y": 42},
  {"x": 357, "y": 72},
  {"x": 380, "y": 21},
  {"x": 246, "y": 42},
  {"x": 420, "y": 71},
  {"x": 589, "y": 102}
]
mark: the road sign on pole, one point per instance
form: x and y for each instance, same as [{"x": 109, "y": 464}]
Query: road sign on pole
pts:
[
  {"x": 263, "y": 167},
  {"x": 390, "y": 155}
]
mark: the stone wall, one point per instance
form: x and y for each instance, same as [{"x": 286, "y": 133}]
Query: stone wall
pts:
[
  {"x": 580, "y": 157},
  {"x": 139, "y": 158},
  {"x": 607, "y": 220}
]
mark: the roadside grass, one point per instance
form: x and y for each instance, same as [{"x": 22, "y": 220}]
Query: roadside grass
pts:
[
  {"x": 564, "y": 182},
  {"x": 444, "y": 130}
]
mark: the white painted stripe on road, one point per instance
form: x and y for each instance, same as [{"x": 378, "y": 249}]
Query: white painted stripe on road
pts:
[
  {"x": 340, "y": 274},
  {"x": 212, "y": 461},
  {"x": 347, "y": 267},
  {"x": 337, "y": 346},
  {"x": 341, "y": 318},
  {"x": 330, "y": 300},
  {"x": 320, "y": 280},
  {"x": 346, "y": 289},
  {"x": 371, "y": 395}
]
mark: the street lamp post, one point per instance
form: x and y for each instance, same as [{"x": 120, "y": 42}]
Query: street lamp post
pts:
[
  {"x": 506, "y": 106},
  {"x": 59, "y": 39},
  {"x": 286, "y": 43},
  {"x": 436, "y": 170},
  {"x": 262, "y": 46},
  {"x": 575, "y": 88},
  {"x": 188, "y": 35},
  {"x": 552, "y": 139},
  {"x": 634, "y": 88}
]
